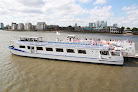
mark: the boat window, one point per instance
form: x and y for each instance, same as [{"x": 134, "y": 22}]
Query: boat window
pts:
[
  {"x": 28, "y": 47},
  {"x": 115, "y": 53},
  {"x": 82, "y": 51},
  {"x": 49, "y": 49},
  {"x": 21, "y": 46},
  {"x": 59, "y": 50},
  {"x": 39, "y": 48},
  {"x": 104, "y": 52},
  {"x": 70, "y": 51}
]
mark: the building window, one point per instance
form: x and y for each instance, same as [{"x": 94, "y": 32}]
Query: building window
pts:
[
  {"x": 70, "y": 51},
  {"x": 104, "y": 52},
  {"x": 49, "y": 49},
  {"x": 59, "y": 50},
  {"x": 82, "y": 51},
  {"x": 39, "y": 48},
  {"x": 21, "y": 46}
]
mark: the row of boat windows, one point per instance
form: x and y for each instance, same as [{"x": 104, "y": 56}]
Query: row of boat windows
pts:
[
  {"x": 57, "y": 49},
  {"x": 71, "y": 50}
]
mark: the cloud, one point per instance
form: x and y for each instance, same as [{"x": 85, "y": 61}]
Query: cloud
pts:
[
  {"x": 32, "y": 11},
  {"x": 64, "y": 13},
  {"x": 85, "y": 1},
  {"x": 34, "y": 3},
  {"x": 103, "y": 12},
  {"x": 130, "y": 19},
  {"x": 56, "y": 12},
  {"x": 99, "y": 2},
  {"x": 133, "y": 7}
]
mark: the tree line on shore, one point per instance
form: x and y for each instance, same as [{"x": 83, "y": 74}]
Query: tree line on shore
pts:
[{"x": 128, "y": 28}]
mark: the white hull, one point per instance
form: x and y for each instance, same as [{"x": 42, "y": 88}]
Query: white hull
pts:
[{"x": 68, "y": 57}]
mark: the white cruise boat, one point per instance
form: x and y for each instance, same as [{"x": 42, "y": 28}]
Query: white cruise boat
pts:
[{"x": 74, "y": 49}]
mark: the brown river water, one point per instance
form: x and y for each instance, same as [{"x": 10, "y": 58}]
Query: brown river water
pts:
[{"x": 24, "y": 74}]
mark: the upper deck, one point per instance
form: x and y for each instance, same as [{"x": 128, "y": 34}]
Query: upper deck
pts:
[
  {"x": 62, "y": 44},
  {"x": 73, "y": 42}
]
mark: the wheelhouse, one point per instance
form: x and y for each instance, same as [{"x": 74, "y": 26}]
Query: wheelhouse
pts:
[{"x": 31, "y": 39}]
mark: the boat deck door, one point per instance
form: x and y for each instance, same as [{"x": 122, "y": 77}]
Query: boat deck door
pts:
[
  {"x": 104, "y": 54},
  {"x": 31, "y": 48},
  {"x": 114, "y": 55}
]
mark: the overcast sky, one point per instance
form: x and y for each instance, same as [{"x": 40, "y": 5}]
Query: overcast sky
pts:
[{"x": 69, "y": 12}]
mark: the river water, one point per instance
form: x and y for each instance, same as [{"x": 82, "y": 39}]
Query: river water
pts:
[{"x": 23, "y": 74}]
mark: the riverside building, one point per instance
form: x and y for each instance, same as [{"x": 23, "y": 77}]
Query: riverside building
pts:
[
  {"x": 20, "y": 26},
  {"x": 92, "y": 25},
  {"x": 98, "y": 24},
  {"x": 1, "y": 26},
  {"x": 28, "y": 26},
  {"x": 115, "y": 30},
  {"x": 41, "y": 26},
  {"x": 14, "y": 26},
  {"x": 114, "y": 25}
]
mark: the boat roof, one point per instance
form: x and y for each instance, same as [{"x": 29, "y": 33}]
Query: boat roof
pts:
[{"x": 64, "y": 44}]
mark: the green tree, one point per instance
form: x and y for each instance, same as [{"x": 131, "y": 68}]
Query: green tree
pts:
[
  {"x": 69, "y": 26},
  {"x": 127, "y": 28},
  {"x": 6, "y": 27},
  {"x": 134, "y": 29},
  {"x": 122, "y": 29}
]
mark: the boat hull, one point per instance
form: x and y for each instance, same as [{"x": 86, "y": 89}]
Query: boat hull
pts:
[{"x": 66, "y": 57}]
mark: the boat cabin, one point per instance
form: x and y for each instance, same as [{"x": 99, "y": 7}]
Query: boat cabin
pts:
[{"x": 31, "y": 39}]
